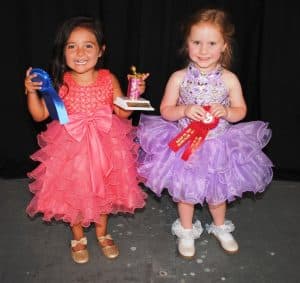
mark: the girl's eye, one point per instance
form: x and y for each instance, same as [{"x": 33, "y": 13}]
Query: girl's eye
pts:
[
  {"x": 196, "y": 42},
  {"x": 89, "y": 45},
  {"x": 212, "y": 43},
  {"x": 70, "y": 46}
]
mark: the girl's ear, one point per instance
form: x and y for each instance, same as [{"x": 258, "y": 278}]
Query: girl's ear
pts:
[
  {"x": 224, "y": 47},
  {"x": 101, "y": 51}
]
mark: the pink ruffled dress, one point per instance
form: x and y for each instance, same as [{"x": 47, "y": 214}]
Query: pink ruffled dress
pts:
[{"x": 87, "y": 166}]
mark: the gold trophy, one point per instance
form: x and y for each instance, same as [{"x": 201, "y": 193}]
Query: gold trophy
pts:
[{"x": 133, "y": 101}]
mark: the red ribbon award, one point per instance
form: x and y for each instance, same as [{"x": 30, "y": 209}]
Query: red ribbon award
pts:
[{"x": 194, "y": 134}]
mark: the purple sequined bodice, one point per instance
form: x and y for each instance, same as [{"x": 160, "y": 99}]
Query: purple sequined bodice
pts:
[{"x": 203, "y": 89}]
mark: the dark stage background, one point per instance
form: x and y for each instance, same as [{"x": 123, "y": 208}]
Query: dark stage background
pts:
[{"x": 146, "y": 33}]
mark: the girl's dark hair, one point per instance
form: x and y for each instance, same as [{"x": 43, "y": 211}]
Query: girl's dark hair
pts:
[
  {"x": 58, "y": 63},
  {"x": 216, "y": 17}
]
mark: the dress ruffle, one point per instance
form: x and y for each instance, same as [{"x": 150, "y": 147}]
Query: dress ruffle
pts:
[
  {"x": 71, "y": 182},
  {"x": 221, "y": 169}
]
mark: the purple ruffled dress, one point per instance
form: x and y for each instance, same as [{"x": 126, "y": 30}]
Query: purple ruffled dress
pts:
[{"x": 228, "y": 163}]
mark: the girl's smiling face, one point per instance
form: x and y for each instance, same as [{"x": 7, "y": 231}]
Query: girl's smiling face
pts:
[
  {"x": 82, "y": 50},
  {"x": 205, "y": 45}
]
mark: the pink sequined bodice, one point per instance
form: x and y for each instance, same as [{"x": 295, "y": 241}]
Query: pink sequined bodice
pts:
[{"x": 87, "y": 99}]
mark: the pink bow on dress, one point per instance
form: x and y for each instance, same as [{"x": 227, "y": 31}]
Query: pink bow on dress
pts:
[{"x": 91, "y": 130}]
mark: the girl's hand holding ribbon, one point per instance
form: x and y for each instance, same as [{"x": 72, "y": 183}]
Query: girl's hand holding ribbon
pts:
[
  {"x": 195, "y": 112},
  {"x": 30, "y": 85},
  {"x": 194, "y": 134},
  {"x": 219, "y": 110}
]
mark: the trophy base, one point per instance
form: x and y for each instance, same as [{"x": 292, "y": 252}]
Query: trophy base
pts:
[{"x": 133, "y": 104}]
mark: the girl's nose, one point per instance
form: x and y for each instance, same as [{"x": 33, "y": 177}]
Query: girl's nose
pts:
[
  {"x": 80, "y": 51},
  {"x": 203, "y": 48}
]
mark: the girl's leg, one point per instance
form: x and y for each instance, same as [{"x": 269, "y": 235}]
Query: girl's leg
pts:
[
  {"x": 222, "y": 229},
  {"x": 185, "y": 230},
  {"x": 101, "y": 227},
  {"x": 186, "y": 212},
  {"x": 109, "y": 249},
  {"x": 77, "y": 231},
  {"x": 218, "y": 213}
]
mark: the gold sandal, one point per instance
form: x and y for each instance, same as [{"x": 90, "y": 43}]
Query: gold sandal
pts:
[
  {"x": 81, "y": 256},
  {"x": 110, "y": 251}
]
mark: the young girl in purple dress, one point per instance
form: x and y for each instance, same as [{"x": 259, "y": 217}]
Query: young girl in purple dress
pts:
[{"x": 196, "y": 150}]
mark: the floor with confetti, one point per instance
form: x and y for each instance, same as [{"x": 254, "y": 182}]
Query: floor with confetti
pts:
[{"x": 267, "y": 230}]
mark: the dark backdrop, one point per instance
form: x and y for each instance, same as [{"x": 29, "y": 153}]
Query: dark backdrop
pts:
[{"x": 146, "y": 33}]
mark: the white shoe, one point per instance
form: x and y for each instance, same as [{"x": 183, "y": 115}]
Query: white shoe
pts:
[
  {"x": 223, "y": 235},
  {"x": 186, "y": 237}
]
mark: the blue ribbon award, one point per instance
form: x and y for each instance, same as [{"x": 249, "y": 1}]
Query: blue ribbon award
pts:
[{"x": 54, "y": 103}]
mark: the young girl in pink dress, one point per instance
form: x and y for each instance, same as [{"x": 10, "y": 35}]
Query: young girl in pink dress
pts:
[{"x": 87, "y": 167}]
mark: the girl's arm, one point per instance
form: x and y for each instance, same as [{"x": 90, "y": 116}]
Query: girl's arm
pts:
[
  {"x": 36, "y": 104},
  {"x": 237, "y": 109},
  {"x": 118, "y": 92},
  {"x": 168, "y": 107}
]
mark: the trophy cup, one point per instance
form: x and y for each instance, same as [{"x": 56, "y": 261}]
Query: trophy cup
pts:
[{"x": 133, "y": 101}]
